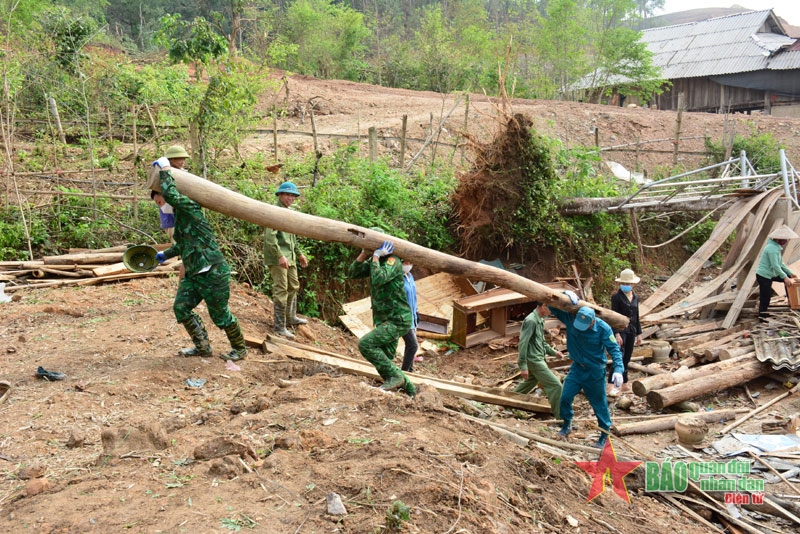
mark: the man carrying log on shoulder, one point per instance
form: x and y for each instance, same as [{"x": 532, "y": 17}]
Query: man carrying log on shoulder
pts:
[
  {"x": 391, "y": 313},
  {"x": 207, "y": 275},
  {"x": 588, "y": 339}
]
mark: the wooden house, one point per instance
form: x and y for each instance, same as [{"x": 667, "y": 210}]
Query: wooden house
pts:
[{"x": 736, "y": 63}]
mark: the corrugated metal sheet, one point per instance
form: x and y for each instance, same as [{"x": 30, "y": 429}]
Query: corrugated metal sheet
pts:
[
  {"x": 788, "y": 60},
  {"x": 723, "y": 45}
]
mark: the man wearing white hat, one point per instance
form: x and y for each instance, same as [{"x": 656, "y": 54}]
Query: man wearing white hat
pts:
[
  {"x": 771, "y": 267},
  {"x": 626, "y": 302}
]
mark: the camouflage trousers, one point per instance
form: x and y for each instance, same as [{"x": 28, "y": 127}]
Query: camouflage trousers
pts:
[
  {"x": 379, "y": 345},
  {"x": 285, "y": 284},
  {"x": 212, "y": 286}
]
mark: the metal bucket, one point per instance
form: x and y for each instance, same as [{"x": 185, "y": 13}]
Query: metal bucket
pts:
[{"x": 140, "y": 258}]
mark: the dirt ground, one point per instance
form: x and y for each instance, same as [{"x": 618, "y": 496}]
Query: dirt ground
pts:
[{"x": 124, "y": 443}]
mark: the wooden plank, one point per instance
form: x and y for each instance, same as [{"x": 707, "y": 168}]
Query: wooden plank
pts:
[
  {"x": 725, "y": 226},
  {"x": 363, "y": 368},
  {"x": 114, "y": 268},
  {"x": 750, "y": 279}
]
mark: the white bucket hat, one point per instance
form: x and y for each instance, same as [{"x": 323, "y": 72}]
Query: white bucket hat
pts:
[
  {"x": 784, "y": 232},
  {"x": 627, "y": 276}
]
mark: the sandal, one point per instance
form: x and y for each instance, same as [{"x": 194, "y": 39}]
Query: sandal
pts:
[{"x": 50, "y": 376}]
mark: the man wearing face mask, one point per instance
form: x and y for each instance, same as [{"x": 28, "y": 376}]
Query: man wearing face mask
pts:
[
  {"x": 410, "y": 337},
  {"x": 625, "y": 302}
]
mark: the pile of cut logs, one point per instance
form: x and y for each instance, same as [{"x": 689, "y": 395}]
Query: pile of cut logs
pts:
[
  {"x": 81, "y": 267},
  {"x": 707, "y": 359}
]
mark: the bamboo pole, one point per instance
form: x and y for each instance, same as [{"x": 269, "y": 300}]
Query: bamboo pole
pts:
[
  {"x": 217, "y": 198},
  {"x": 759, "y": 410}
]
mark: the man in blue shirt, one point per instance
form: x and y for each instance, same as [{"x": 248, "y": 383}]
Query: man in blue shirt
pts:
[{"x": 588, "y": 339}]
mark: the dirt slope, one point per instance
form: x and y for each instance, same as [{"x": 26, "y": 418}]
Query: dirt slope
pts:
[
  {"x": 349, "y": 108},
  {"x": 122, "y": 441}
]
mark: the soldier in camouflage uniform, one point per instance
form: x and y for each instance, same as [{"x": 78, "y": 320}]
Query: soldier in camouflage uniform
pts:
[
  {"x": 282, "y": 255},
  {"x": 207, "y": 275},
  {"x": 391, "y": 313}
]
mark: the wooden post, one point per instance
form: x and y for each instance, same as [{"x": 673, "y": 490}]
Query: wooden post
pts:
[
  {"x": 135, "y": 157},
  {"x": 678, "y": 128},
  {"x": 59, "y": 129},
  {"x": 314, "y": 131},
  {"x": 155, "y": 131},
  {"x": 275, "y": 137},
  {"x": 373, "y": 144},
  {"x": 636, "y": 160},
  {"x": 635, "y": 229},
  {"x": 403, "y": 132},
  {"x": 466, "y": 123},
  {"x": 597, "y": 137}
]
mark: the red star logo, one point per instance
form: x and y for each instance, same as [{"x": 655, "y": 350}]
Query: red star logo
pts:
[{"x": 608, "y": 467}]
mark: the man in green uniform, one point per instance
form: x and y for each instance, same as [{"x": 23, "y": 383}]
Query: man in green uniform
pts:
[
  {"x": 531, "y": 360},
  {"x": 281, "y": 256},
  {"x": 207, "y": 273},
  {"x": 391, "y": 313}
]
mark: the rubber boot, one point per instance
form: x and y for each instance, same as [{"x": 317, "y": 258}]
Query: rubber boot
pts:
[
  {"x": 197, "y": 331},
  {"x": 393, "y": 382},
  {"x": 566, "y": 430},
  {"x": 291, "y": 316},
  {"x": 601, "y": 441},
  {"x": 280, "y": 321},
  {"x": 409, "y": 388},
  {"x": 236, "y": 338}
]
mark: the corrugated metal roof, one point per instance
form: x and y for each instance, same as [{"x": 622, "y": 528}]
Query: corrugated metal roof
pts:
[
  {"x": 712, "y": 47},
  {"x": 733, "y": 44}
]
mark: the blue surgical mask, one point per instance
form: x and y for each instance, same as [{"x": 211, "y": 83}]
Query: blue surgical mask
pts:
[{"x": 626, "y": 289}]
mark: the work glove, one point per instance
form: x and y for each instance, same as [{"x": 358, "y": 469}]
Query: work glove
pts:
[
  {"x": 616, "y": 378},
  {"x": 160, "y": 257},
  {"x": 161, "y": 163},
  {"x": 386, "y": 249},
  {"x": 573, "y": 298}
]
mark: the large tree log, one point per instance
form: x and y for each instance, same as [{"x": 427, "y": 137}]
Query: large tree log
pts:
[
  {"x": 735, "y": 376},
  {"x": 668, "y": 423},
  {"x": 84, "y": 258},
  {"x": 217, "y": 198},
  {"x": 643, "y": 386}
]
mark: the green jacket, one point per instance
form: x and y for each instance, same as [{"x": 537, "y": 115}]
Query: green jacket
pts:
[
  {"x": 277, "y": 244},
  {"x": 532, "y": 346},
  {"x": 389, "y": 302},
  {"x": 771, "y": 264},
  {"x": 194, "y": 240}
]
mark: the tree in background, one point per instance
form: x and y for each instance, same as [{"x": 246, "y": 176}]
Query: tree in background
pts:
[
  {"x": 195, "y": 43},
  {"x": 647, "y": 8},
  {"x": 331, "y": 39},
  {"x": 561, "y": 42}
]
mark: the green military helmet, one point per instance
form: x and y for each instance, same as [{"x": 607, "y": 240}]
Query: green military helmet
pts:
[
  {"x": 140, "y": 258},
  {"x": 176, "y": 151},
  {"x": 288, "y": 187}
]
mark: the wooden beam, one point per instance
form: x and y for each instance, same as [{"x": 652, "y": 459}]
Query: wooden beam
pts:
[{"x": 364, "y": 368}]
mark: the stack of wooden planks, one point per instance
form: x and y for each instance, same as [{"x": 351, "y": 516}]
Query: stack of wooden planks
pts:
[{"x": 81, "y": 267}]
